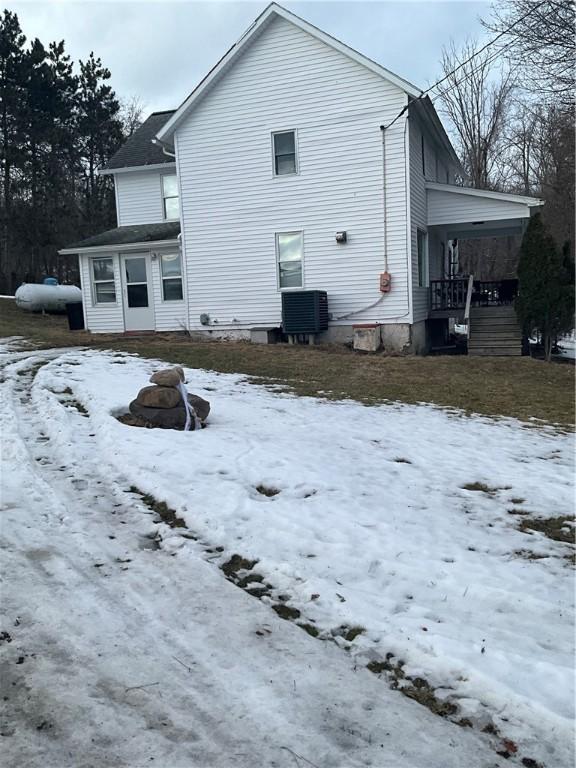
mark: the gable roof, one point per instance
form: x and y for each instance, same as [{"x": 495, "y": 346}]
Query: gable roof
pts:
[
  {"x": 271, "y": 12},
  {"x": 166, "y": 231},
  {"x": 139, "y": 150}
]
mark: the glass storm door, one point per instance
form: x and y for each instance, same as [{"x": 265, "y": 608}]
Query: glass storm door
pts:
[{"x": 137, "y": 293}]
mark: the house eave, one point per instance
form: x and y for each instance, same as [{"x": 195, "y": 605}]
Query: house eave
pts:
[
  {"x": 487, "y": 193},
  {"x": 137, "y": 168},
  {"x": 117, "y": 248}
]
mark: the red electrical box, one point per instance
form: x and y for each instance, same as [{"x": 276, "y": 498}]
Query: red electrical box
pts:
[{"x": 385, "y": 282}]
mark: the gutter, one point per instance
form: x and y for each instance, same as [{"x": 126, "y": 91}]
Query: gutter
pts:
[{"x": 116, "y": 247}]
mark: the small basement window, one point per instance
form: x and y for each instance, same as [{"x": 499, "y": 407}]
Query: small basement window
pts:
[
  {"x": 172, "y": 277},
  {"x": 422, "y": 258},
  {"x": 170, "y": 196},
  {"x": 289, "y": 252},
  {"x": 284, "y": 145},
  {"x": 103, "y": 281}
]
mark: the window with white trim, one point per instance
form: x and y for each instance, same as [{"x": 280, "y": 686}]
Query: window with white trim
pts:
[
  {"x": 171, "y": 265},
  {"x": 289, "y": 250},
  {"x": 103, "y": 280},
  {"x": 170, "y": 196},
  {"x": 422, "y": 239},
  {"x": 284, "y": 147}
]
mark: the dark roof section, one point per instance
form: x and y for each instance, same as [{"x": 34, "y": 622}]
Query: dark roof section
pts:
[
  {"x": 139, "y": 150},
  {"x": 140, "y": 233}
]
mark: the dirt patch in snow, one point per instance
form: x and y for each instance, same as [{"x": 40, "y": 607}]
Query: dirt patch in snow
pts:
[
  {"x": 164, "y": 512},
  {"x": 555, "y": 528}
]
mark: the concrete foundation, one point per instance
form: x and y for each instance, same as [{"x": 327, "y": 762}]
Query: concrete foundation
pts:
[
  {"x": 367, "y": 338},
  {"x": 392, "y": 338}
]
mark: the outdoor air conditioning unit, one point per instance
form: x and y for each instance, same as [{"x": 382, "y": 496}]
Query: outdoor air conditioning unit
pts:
[{"x": 304, "y": 311}]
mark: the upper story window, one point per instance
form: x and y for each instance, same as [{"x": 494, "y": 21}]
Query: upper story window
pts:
[
  {"x": 170, "y": 196},
  {"x": 289, "y": 250},
  {"x": 284, "y": 147},
  {"x": 103, "y": 281}
]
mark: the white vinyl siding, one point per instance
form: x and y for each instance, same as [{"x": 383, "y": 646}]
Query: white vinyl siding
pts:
[
  {"x": 109, "y": 318},
  {"x": 233, "y": 206},
  {"x": 170, "y": 315},
  {"x": 101, "y": 318},
  {"x": 418, "y": 217},
  {"x": 453, "y": 208},
  {"x": 139, "y": 197}
]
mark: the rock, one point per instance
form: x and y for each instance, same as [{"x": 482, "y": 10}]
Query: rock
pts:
[
  {"x": 201, "y": 406},
  {"x": 159, "y": 397},
  {"x": 171, "y": 418},
  {"x": 168, "y": 377}
]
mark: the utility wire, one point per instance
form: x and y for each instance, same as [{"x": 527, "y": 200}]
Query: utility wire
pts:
[{"x": 467, "y": 61}]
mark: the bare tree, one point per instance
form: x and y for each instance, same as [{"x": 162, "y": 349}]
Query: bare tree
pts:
[
  {"x": 131, "y": 111},
  {"x": 476, "y": 96},
  {"x": 538, "y": 38}
]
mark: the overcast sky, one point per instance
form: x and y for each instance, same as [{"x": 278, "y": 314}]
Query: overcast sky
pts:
[{"x": 158, "y": 51}]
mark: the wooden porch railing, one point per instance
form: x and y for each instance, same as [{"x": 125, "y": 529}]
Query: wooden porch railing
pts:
[
  {"x": 462, "y": 293},
  {"x": 448, "y": 294}
]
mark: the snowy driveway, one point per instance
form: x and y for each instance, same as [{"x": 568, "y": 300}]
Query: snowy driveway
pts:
[{"x": 126, "y": 646}]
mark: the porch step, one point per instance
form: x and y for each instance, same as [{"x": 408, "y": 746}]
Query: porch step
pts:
[{"x": 494, "y": 331}]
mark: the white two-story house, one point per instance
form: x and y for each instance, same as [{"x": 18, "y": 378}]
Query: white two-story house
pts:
[{"x": 296, "y": 164}]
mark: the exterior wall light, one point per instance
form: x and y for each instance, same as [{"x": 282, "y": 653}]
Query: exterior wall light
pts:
[{"x": 341, "y": 237}]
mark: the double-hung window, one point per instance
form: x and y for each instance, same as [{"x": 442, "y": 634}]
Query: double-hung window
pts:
[
  {"x": 103, "y": 281},
  {"x": 289, "y": 252},
  {"x": 170, "y": 196},
  {"x": 284, "y": 147},
  {"x": 171, "y": 276},
  {"x": 422, "y": 238}
]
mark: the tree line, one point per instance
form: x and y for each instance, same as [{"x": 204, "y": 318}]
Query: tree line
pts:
[
  {"x": 58, "y": 124},
  {"x": 511, "y": 114}
]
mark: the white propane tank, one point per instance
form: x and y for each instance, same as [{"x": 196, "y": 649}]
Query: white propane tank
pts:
[{"x": 34, "y": 297}]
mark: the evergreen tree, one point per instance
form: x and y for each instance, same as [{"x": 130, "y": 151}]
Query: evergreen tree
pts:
[
  {"x": 545, "y": 304},
  {"x": 12, "y": 98},
  {"x": 100, "y": 135}
]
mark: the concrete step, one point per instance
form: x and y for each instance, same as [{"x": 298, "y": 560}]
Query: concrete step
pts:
[
  {"x": 480, "y": 341},
  {"x": 504, "y": 309},
  {"x": 490, "y": 321},
  {"x": 495, "y": 351}
]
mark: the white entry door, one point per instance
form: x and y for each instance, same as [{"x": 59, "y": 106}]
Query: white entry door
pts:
[{"x": 137, "y": 292}]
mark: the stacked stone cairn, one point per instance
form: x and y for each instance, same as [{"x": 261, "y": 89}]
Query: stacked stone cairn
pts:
[{"x": 161, "y": 405}]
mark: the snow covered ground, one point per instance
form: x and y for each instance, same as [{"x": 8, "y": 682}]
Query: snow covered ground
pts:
[{"x": 121, "y": 652}]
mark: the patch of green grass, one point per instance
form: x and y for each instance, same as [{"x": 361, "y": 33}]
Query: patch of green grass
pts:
[{"x": 519, "y": 387}]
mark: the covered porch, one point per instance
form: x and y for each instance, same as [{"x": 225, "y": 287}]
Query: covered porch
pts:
[{"x": 464, "y": 213}]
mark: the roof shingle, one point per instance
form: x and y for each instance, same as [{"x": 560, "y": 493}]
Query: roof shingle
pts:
[
  {"x": 139, "y": 149},
  {"x": 140, "y": 233}
]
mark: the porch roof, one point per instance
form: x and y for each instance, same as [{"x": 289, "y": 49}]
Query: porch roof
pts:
[
  {"x": 138, "y": 234},
  {"x": 466, "y": 212}
]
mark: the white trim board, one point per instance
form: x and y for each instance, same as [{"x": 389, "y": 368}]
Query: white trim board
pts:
[
  {"x": 131, "y": 168},
  {"x": 453, "y": 189},
  {"x": 149, "y": 245}
]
